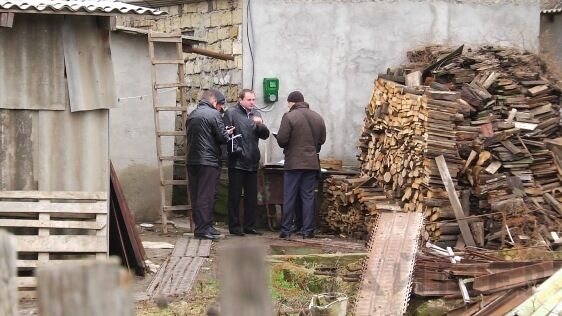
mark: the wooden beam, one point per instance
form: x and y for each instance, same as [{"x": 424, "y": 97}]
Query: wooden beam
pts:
[
  {"x": 456, "y": 204},
  {"x": 205, "y": 52},
  {"x": 54, "y": 195}
]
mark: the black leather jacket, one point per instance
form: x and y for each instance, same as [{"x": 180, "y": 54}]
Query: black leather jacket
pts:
[
  {"x": 244, "y": 124},
  {"x": 205, "y": 133}
]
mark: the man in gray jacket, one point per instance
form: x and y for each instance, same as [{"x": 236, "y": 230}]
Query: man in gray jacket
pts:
[
  {"x": 243, "y": 162},
  {"x": 205, "y": 133}
]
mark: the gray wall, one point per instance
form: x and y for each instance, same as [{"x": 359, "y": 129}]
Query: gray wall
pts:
[
  {"x": 551, "y": 42},
  {"x": 132, "y": 138},
  {"x": 333, "y": 50}
]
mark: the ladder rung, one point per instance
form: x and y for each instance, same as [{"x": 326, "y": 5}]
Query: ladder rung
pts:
[
  {"x": 174, "y": 182},
  {"x": 170, "y": 133},
  {"x": 174, "y": 158},
  {"x": 167, "y": 61},
  {"x": 161, "y": 39},
  {"x": 171, "y": 108},
  {"x": 169, "y": 85},
  {"x": 177, "y": 208}
]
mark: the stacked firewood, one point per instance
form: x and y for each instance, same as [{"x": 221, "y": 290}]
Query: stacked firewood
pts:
[
  {"x": 351, "y": 205},
  {"x": 488, "y": 112}
]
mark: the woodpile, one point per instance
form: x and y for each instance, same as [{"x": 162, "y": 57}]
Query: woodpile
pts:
[
  {"x": 351, "y": 205},
  {"x": 488, "y": 112}
]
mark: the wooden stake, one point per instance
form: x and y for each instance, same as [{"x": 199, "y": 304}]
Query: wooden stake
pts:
[
  {"x": 8, "y": 273},
  {"x": 452, "y": 193}
]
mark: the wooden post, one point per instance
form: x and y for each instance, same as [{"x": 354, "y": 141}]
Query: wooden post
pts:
[
  {"x": 244, "y": 281},
  {"x": 93, "y": 288},
  {"x": 8, "y": 274}
]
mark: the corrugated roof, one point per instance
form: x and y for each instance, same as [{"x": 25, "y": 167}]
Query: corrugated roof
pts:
[
  {"x": 551, "y": 11},
  {"x": 93, "y": 7}
]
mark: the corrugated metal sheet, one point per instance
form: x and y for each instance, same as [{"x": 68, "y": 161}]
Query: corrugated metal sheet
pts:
[
  {"x": 93, "y": 7},
  {"x": 54, "y": 150},
  {"x": 551, "y": 11},
  {"x": 32, "y": 64},
  {"x": 89, "y": 68}
]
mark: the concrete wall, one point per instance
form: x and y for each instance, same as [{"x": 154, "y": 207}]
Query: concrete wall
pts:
[
  {"x": 551, "y": 42},
  {"x": 332, "y": 50},
  {"x": 219, "y": 22},
  {"x": 132, "y": 135}
]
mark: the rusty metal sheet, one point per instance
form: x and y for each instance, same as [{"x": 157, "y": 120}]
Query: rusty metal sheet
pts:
[
  {"x": 32, "y": 64},
  {"x": 385, "y": 288},
  {"x": 515, "y": 277},
  {"x": 89, "y": 68},
  {"x": 191, "y": 247}
]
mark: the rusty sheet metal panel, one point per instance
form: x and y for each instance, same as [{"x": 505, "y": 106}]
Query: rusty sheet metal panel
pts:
[
  {"x": 92, "y": 7},
  {"x": 16, "y": 150},
  {"x": 385, "y": 288},
  {"x": 32, "y": 64},
  {"x": 87, "y": 54}
]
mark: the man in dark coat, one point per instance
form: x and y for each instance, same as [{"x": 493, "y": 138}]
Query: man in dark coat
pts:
[
  {"x": 243, "y": 162},
  {"x": 205, "y": 133},
  {"x": 301, "y": 134}
]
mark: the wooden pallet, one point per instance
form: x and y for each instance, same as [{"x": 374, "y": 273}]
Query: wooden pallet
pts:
[{"x": 53, "y": 227}]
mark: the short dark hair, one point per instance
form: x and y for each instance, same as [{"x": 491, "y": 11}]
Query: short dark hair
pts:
[
  {"x": 242, "y": 93},
  {"x": 208, "y": 95}
]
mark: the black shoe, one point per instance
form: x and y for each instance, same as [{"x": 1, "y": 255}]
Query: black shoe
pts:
[
  {"x": 206, "y": 236},
  {"x": 284, "y": 236},
  {"x": 252, "y": 232},
  {"x": 307, "y": 236},
  {"x": 214, "y": 231},
  {"x": 237, "y": 232}
]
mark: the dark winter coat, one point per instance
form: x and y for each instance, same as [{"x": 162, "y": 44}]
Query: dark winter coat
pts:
[
  {"x": 205, "y": 133},
  {"x": 249, "y": 156},
  {"x": 300, "y": 144}
]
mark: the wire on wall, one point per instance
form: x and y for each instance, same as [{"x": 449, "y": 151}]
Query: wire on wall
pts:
[{"x": 119, "y": 99}]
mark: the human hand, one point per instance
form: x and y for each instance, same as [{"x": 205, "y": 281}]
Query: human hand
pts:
[
  {"x": 258, "y": 120},
  {"x": 230, "y": 130}
]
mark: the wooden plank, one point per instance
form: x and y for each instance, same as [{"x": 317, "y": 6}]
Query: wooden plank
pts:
[
  {"x": 61, "y": 243},
  {"x": 54, "y": 195},
  {"x": 52, "y": 208},
  {"x": 37, "y": 263},
  {"x": 27, "y": 282},
  {"x": 8, "y": 273},
  {"x": 457, "y": 208},
  {"x": 50, "y": 224},
  {"x": 515, "y": 277}
]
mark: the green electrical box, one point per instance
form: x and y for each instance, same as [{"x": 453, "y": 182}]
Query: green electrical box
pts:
[{"x": 270, "y": 90}]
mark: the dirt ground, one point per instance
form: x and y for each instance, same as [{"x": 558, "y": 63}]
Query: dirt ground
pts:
[{"x": 287, "y": 293}]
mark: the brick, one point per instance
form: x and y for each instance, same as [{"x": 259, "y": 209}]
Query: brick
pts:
[
  {"x": 231, "y": 64},
  {"x": 237, "y": 47},
  {"x": 207, "y": 20},
  {"x": 212, "y": 36},
  {"x": 189, "y": 8},
  {"x": 226, "y": 46},
  {"x": 232, "y": 93},
  {"x": 216, "y": 18},
  {"x": 175, "y": 23},
  {"x": 189, "y": 68},
  {"x": 223, "y": 33},
  {"x": 238, "y": 61},
  {"x": 197, "y": 67},
  {"x": 196, "y": 20},
  {"x": 237, "y": 16},
  {"x": 234, "y": 31},
  {"x": 226, "y": 18},
  {"x": 172, "y": 10},
  {"x": 236, "y": 77},
  {"x": 185, "y": 21},
  {"x": 222, "y": 65},
  {"x": 224, "y": 4},
  {"x": 206, "y": 66},
  {"x": 203, "y": 7}
]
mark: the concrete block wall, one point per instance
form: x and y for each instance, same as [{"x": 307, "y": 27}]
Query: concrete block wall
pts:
[{"x": 217, "y": 21}]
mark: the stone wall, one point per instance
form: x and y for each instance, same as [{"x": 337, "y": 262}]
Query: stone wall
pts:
[{"x": 219, "y": 22}]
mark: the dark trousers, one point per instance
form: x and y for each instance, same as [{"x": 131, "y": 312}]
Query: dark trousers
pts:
[
  {"x": 238, "y": 180},
  {"x": 202, "y": 188},
  {"x": 299, "y": 184}
]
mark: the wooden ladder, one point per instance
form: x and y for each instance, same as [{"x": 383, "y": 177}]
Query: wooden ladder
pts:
[{"x": 153, "y": 38}]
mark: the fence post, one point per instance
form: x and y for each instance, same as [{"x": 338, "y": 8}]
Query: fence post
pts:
[
  {"x": 8, "y": 274},
  {"x": 92, "y": 287},
  {"x": 244, "y": 281}
]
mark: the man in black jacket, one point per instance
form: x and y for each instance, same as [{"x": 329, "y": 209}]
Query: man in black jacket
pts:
[
  {"x": 205, "y": 133},
  {"x": 243, "y": 163}
]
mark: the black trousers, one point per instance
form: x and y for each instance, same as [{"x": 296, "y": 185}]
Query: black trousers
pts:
[
  {"x": 238, "y": 180},
  {"x": 202, "y": 188},
  {"x": 298, "y": 186}
]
